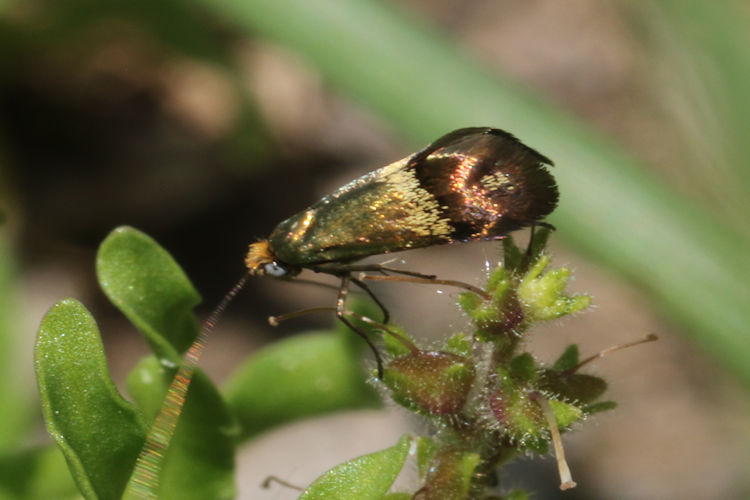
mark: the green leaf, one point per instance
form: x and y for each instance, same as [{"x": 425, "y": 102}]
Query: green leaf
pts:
[
  {"x": 523, "y": 368},
  {"x": 98, "y": 431},
  {"x": 518, "y": 261},
  {"x": 568, "y": 359},
  {"x": 469, "y": 302},
  {"x": 364, "y": 478},
  {"x": 512, "y": 255},
  {"x": 577, "y": 387},
  {"x": 150, "y": 289},
  {"x": 200, "y": 460},
  {"x": 147, "y": 285},
  {"x": 538, "y": 243},
  {"x": 459, "y": 344},
  {"x": 565, "y": 414},
  {"x": 395, "y": 346},
  {"x": 298, "y": 377},
  {"x": 517, "y": 495},
  {"x": 426, "y": 450},
  {"x": 599, "y": 407},
  {"x": 36, "y": 474}
]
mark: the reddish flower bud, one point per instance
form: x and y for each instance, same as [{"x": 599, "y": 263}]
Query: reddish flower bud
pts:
[{"x": 432, "y": 382}]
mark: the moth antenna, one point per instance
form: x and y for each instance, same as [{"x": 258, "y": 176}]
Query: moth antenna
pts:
[
  {"x": 145, "y": 478},
  {"x": 651, "y": 337},
  {"x": 566, "y": 479}
]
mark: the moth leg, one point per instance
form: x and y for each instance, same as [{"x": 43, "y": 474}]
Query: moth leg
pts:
[
  {"x": 406, "y": 273},
  {"x": 341, "y": 270},
  {"x": 380, "y": 268},
  {"x": 532, "y": 233},
  {"x": 368, "y": 291},
  {"x": 276, "y": 320},
  {"x": 340, "y": 314},
  {"x": 430, "y": 280},
  {"x": 390, "y": 331}
]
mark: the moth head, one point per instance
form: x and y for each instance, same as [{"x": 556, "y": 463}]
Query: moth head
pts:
[{"x": 260, "y": 260}]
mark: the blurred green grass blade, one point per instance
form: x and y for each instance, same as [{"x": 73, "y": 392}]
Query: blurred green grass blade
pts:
[
  {"x": 704, "y": 48},
  {"x": 693, "y": 265},
  {"x": 368, "y": 477},
  {"x": 15, "y": 417},
  {"x": 150, "y": 289},
  {"x": 98, "y": 431},
  {"x": 309, "y": 374},
  {"x": 199, "y": 462},
  {"x": 36, "y": 474}
]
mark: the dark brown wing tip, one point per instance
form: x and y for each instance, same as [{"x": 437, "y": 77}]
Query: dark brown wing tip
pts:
[
  {"x": 460, "y": 133},
  {"x": 543, "y": 190},
  {"x": 539, "y": 156},
  {"x": 540, "y": 186}
]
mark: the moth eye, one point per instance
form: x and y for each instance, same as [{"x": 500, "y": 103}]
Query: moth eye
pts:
[{"x": 274, "y": 269}]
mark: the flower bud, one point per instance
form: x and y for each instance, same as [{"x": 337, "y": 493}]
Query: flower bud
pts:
[
  {"x": 502, "y": 314},
  {"x": 542, "y": 294},
  {"x": 449, "y": 476},
  {"x": 434, "y": 382}
]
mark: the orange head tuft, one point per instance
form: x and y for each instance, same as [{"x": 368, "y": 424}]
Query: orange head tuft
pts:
[{"x": 258, "y": 255}]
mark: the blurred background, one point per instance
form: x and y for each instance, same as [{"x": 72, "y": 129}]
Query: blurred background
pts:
[{"x": 204, "y": 124}]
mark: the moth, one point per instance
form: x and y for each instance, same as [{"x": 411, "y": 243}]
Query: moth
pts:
[{"x": 471, "y": 184}]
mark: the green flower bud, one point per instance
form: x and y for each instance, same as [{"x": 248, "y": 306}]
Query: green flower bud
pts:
[
  {"x": 500, "y": 316},
  {"x": 449, "y": 476},
  {"x": 542, "y": 293}
]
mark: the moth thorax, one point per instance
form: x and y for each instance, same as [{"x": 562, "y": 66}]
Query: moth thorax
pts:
[{"x": 258, "y": 256}]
